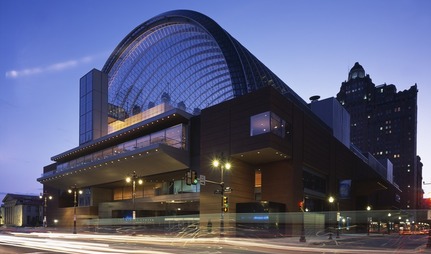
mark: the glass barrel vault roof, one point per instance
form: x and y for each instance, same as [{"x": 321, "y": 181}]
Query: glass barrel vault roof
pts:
[{"x": 188, "y": 59}]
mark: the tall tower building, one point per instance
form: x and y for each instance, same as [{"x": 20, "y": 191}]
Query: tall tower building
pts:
[{"x": 384, "y": 123}]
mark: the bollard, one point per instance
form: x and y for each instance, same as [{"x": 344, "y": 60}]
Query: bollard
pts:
[{"x": 429, "y": 238}]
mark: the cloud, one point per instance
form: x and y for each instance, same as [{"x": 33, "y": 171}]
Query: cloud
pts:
[{"x": 51, "y": 68}]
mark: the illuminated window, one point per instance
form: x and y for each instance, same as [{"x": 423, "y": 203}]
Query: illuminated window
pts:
[
  {"x": 258, "y": 179},
  {"x": 267, "y": 122}
]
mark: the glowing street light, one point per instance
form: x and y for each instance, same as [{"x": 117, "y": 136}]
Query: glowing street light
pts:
[
  {"x": 223, "y": 165},
  {"x": 369, "y": 220},
  {"x": 45, "y": 196},
  {"x": 75, "y": 191},
  {"x": 331, "y": 200},
  {"x": 133, "y": 179}
]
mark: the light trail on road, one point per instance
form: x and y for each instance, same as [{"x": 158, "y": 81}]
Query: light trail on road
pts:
[
  {"x": 53, "y": 242},
  {"x": 98, "y": 244}
]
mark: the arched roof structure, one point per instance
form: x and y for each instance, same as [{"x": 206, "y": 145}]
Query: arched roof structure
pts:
[{"x": 186, "y": 58}]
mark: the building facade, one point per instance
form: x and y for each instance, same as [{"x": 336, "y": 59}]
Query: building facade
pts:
[
  {"x": 384, "y": 123},
  {"x": 21, "y": 210},
  {"x": 179, "y": 92},
  {"x": 2, "y": 215}
]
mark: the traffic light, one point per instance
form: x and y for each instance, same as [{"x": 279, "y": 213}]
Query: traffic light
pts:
[
  {"x": 225, "y": 204},
  {"x": 194, "y": 177},
  {"x": 189, "y": 178},
  {"x": 301, "y": 205}
]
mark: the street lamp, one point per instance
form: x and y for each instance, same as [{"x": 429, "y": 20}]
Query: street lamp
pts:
[
  {"x": 331, "y": 200},
  {"x": 133, "y": 179},
  {"x": 389, "y": 223},
  {"x": 368, "y": 220},
  {"x": 301, "y": 208},
  {"x": 45, "y": 196},
  {"x": 75, "y": 192},
  {"x": 222, "y": 164}
]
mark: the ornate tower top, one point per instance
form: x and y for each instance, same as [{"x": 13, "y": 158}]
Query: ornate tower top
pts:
[{"x": 356, "y": 71}]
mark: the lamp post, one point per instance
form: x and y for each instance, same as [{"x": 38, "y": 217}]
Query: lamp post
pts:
[
  {"x": 45, "y": 196},
  {"x": 301, "y": 208},
  {"x": 331, "y": 200},
  {"x": 222, "y": 164},
  {"x": 133, "y": 178},
  {"x": 368, "y": 220},
  {"x": 75, "y": 192},
  {"x": 389, "y": 223}
]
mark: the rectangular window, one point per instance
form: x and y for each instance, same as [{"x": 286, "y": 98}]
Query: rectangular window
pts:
[
  {"x": 257, "y": 179},
  {"x": 277, "y": 125},
  {"x": 157, "y": 137},
  {"x": 174, "y": 136},
  {"x": 267, "y": 122},
  {"x": 259, "y": 123},
  {"x": 314, "y": 182},
  {"x": 143, "y": 141}
]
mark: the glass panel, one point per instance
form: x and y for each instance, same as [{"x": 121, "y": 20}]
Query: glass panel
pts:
[
  {"x": 158, "y": 137},
  {"x": 143, "y": 141},
  {"x": 82, "y": 106},
  {"x": 98, "y": 156},
  {"x": 258, "y": 179},
  {"x": 267, "y": 122},
  {"x": 260, "y": 124},
  {"x": 130, "y": 145},
  {"x": 82, "y": 87},
  {"x": 314, "y": 182},
  {"x": 180, "y": 58},
  {"x": 119, "y": 149},
  {"x": 277, "y": 125},
  {"x": 107, "y": 153},
  {"x": 174, "y": 136},
  {"x": 89, "y": 82}
]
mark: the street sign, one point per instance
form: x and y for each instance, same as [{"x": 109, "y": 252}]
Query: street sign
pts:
[{"x": 202, "y": 180}]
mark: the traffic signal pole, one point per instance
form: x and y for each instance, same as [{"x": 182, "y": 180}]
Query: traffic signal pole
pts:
[
  {"x": 224, "y": 203},
  {"x": 191, "y": 178}
]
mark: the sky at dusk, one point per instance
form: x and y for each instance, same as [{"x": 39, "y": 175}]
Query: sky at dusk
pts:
[{"x": 47, "y": 46}]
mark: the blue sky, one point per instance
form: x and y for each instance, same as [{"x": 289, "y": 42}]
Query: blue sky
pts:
[{"x": 47, "y": 45}]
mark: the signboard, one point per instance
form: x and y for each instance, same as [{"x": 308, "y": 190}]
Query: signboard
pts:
[
  {"x": 202, "y": 180},
  {"x": 429, "y": 215},
  {"x": 344, "y": 189}
]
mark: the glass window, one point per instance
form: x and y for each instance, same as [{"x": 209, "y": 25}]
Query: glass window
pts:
[
  {"x": 314, "y": 182},
  {"x": 257, "y": 179},
  {"x": 267, "y": 122},
  {"x": 259, "y": 123},
  {"x": 174, "y": 136},
  {"x": 89, "y": 82},
  {"x": 157, "y": 137},
  {"x": 82, "y": 86},
  {"x": 130, "y": 145},
  {"x": 277, "y": 125},
  {"x": 143, "y": 141}
]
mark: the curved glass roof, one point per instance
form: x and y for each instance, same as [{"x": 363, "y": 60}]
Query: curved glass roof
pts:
[{"x": 186, "y": 58}]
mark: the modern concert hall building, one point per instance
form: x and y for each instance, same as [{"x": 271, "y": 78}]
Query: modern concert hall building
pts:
[{"x": 179, "y": 92}]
